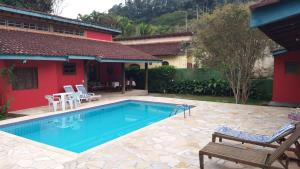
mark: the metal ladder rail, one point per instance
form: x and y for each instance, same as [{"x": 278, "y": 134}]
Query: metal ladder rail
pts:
[{"x": 183, "y": 107}]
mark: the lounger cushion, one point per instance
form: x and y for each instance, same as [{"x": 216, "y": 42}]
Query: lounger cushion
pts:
[
  {"x": 282, "y": 131},
  {"x": 255, "y": 137}
]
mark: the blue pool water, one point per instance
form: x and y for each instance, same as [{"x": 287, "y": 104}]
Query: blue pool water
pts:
[{"x": 81, "y": 130}]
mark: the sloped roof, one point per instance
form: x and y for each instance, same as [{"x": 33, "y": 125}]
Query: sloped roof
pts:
[
  {"x": 13, "y": 42},
  {"x": 160, "y": 49}
]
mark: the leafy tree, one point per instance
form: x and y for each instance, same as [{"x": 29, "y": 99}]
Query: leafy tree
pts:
[
  {"x": 7, "y": 78},
  {"x": 225, "y": 41},
  {"x": 144, "y": 29},
  {"x": 171, "y": 19},
  {"x": 127, "y": 26},
  {"x": 100, "y": 18},
  {"x": 37, "y": 5}
]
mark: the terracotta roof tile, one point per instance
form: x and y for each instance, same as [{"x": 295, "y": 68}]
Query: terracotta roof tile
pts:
[
  {"x": 14, "y": 42},
  {"x": 160, "y": 49}
]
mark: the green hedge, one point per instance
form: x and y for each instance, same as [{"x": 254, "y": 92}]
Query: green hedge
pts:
[
  {"x": 197, "y": 74},
  {"x": 261, "y": 89},
  {"x": 196, "y": 82},
  {"x": 210, "y": 87}
]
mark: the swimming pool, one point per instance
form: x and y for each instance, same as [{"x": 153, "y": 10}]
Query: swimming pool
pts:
[{"x": 81, "y": 130}]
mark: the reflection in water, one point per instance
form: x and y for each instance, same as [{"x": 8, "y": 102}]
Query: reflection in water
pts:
[{"x": 68, "y": 121}]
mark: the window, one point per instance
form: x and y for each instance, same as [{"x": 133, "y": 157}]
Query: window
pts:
[
  {"x": 26, "y": 25},
  {"x": 42, "y": 28},
  {"x": 11, "y": 23},
  {"x": 25, "y": 78},
  {"x": 165, "y": 63},
  {"x": 2, "y": 21},
  {"x": 68, "y": 31},
  {"x": 291, "y": 68},
  {"x": 31, "y": 26},
  {"x": 69, "y": 68}
]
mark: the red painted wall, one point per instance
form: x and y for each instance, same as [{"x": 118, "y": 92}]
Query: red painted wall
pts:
[
  {"x": 286, "y": 86},
  {"x": 50, "y": 80},
  {"x": 98, "y": 35},
  {"x": 73, "y": 80}
]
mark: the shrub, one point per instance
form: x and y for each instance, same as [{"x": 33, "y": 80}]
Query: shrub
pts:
[
  {"x": 207, "y": 87},
  {"x": 261, "y": 89},
  {"x": 159, "y": 77},
  {"x": 197, "y": 74}
]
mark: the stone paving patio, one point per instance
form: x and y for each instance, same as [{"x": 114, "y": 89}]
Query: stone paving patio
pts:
[{"x": 171, "y": 143}]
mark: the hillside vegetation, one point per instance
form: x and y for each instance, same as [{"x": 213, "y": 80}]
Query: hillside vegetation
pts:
[{"x": 146, "y": 17}]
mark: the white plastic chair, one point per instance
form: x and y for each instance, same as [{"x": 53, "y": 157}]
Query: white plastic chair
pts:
[
  {"x": 115, "y": 84},
  {"x": 52, "y": 102},
  {"x": 84, "y": 95},
  {"x": 75, "y": 98},
  {"x": 70, "y": 101},
  {"x": 133, "y": 83},
  {"x": 69, "y": 89}
]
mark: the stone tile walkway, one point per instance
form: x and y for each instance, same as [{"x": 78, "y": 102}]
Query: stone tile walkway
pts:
[{"x": 171, "y": 143}]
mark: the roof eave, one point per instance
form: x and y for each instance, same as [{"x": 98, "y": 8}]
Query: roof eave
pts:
[
  {"x": 74, "y": 57},
  {"x": 279, "y": 52},
  {"x": 274, "y": 12}
]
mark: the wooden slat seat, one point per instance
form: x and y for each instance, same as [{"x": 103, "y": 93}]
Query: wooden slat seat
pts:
[
  {"x": 236, "y": 154},
  {"x": 242, "y": 155}
]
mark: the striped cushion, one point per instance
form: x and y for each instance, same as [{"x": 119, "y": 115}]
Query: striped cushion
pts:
[{"x": 255, "y": 137}]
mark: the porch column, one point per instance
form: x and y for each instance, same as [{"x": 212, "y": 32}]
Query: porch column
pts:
[
  {"x": 146, "y": 76},
  {"x": 86, "y": 72},
  {"x": 123, "y": 78}
]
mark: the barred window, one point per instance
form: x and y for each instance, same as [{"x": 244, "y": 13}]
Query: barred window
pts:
[
  {"x": 291, "y": 67},
  {"x": 69, "y": 68},
  {"x": 26, "y": 78}
]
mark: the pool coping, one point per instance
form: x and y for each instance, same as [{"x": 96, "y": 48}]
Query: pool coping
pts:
[{"x": 60, "y": 113}]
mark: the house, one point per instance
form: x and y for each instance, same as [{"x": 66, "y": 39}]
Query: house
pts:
[
  {"x": 171, "y": 48},
  {"x": 279, "y": 20},
  {"x": 49, "y": 51}
]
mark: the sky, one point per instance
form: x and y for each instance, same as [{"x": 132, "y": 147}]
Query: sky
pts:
[{"x": 71, "y": 8}]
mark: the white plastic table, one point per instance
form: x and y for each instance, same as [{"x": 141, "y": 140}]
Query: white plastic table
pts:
[
  {"x": 62, "y": 97},
  {"x": 115, "y": 84}
]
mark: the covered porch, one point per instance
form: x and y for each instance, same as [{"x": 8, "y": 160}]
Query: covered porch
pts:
[{"x": 107, "y": 77}]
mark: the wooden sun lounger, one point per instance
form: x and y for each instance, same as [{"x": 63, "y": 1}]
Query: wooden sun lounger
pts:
[
  {"x": 253, "y": 157},
  {"x": 294, "y": 151}
]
